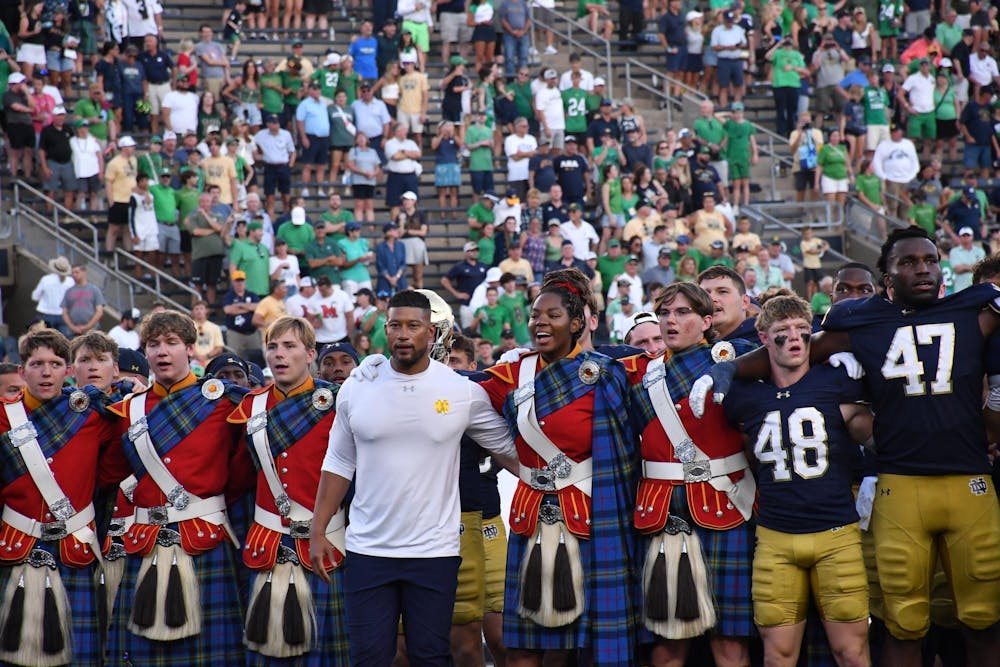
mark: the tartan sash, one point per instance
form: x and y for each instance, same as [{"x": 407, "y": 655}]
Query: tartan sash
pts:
[
  {"x": 174, "y": 418},
  {"x": 291, "y": 419},
  {"x": 556, "y": 386},
  {"x": 55, "y": 422}
]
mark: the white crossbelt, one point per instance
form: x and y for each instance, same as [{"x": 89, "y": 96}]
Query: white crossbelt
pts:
[
  {"x": 24, "y": 437},
  {"x": 182, "y": 505},
  {"x": 560, "y": 471},
  {"x": 714, "y": 471},
  {"x": 257, "y": 430}
]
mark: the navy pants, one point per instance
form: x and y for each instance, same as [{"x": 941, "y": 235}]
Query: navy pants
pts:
[{"x": 377, "y": 590}]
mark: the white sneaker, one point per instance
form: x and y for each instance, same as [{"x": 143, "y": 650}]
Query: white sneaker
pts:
[
  {"x": 320, "y": 192},
  {"x": 550, "y": 50},
  {"x": 305, "y": 192},
  {"x": 533, "y": 51}
]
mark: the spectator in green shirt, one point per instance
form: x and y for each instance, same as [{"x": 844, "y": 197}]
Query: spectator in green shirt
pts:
[
  {"x": 921, "y": 213},
  {"x": 611, "y": 263},
  {"x": 91, "y": 109},
  {"x": 787, "y": 69},
  {"x": 741, "y": 152},
  {"x": 708, "y": 130},
  {"x": 479, "y": 141},
  {"x": 833, "y": 169},
  {"x": 487, "y": 244},
  {"x": 948, "y": 32},
  {"x": 597, "y": 15},
  {"x": 272, "y": 90},
  {"x": 823, "y": 298},
  {"x": 253, "y": 258},
  {"x": 481, "y": 213},
  {"x": 324, "y": 255},
  {"x": 717, "y": 256},
  {"x": 492, "y": 318},
  {"x": 683, "y": 250},
  {"x": 575, "y": 106}
]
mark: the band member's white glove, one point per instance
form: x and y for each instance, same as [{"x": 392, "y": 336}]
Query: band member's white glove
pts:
[
  {"x": 719, "y": 377},
  {"x": 866, "y": 497},
  {"x": 367, "y": 370},
  {"x": 850, "y": 364},
  {"x": 510, "y": 356}
]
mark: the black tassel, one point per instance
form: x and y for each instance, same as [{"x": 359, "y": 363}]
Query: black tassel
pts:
[
  {"x": 52, "y": 634},
  {"x": 687, "y": 591},
  {"x": 175, "y": 614},
  {"x": 531, "y": 587},
  {"x": 657, "y": 597},
  {"x": 102, "y": 603},
  {"x": 144, "y": 604},
  {"x": 292, "y": 622},
  {"x": 15, "y": 619},
  {"x": 259, "y": 616},
  {"x": 563, "y": 595}
]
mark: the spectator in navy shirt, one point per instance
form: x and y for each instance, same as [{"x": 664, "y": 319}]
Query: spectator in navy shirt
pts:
[
  {"x": 462, "y": 280},
  {"x": 158, "y": 68},
  {"x": 556, "y": 208},
  {"x": 390, "y": 261},
  {"x": 704, "y": 178},
  {"x": 631, "y": 22},
  {"x": 364, "y": 50},
  {"x": 673, "y": 39},
  {"x": 133, "y": 89},
  {"x": 596, "y": 127},
  {"x": 976, "y": 127},
  {"x": 541, "y": 166},
  {"x": 573, "y": 173},
  {"x": 636, "y": 151},
  {"x": 568, "y": 261}
]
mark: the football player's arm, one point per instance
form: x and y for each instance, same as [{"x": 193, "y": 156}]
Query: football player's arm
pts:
[
  {"x": 338, "y": 469},
  {"x": 858, "y": 419}
]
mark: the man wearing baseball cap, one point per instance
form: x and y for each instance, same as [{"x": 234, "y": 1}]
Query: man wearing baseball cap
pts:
[
  {"x": 463, "y": 278},
  {"x": 642, "y": 330},
  {"x": 550, "y": 113},
  {"x": 966, "y": 254},
  {"x": 336, "y": 361},
  {"x": 119, "y": 182}
]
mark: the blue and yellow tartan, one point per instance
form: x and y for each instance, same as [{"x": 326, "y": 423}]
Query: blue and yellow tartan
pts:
[
  {"x": 55, "y": 422},
  {"x": 607, "y": 630},
  {"x": 331, "y": 648},
  {"x": 88, "y": 635},
  {"x": 220, "y": 641},
  {"x": 728, "y": 553},
  {"x": 292, "y": 418},
  {"x": 174, "y": 418}
]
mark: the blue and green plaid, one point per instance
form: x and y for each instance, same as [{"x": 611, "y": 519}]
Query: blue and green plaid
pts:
[
  {"x": 292, "y": 418},
  {"x": 55, "y": 422},
  {"x": 607, "y": 630},
  {"x": 174, "y": 418}
]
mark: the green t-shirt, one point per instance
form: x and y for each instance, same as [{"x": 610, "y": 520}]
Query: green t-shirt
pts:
[
  {"x": 298, "y": 237},
  {"x": 944, "y": 104},
  {"x": 491, "y": 321},
  {"x": 947, "y": 276},
  {"x": 790, "y": 79},
  {"x": 328, "y": 248},
  {"x": 87, "y": 109},
  {"x": 890, "y": 15},
  {"x": 328, "y": 80},
  {"x": 522, "y": 98},
  {"x": 820, "y": 303},
  {"x": 710, "y": 261},
  {"x": 575, "y": 108},
  {"x": 293, "y": 84},
  {"x": 924, "y": 216},
  {"x": 738, "y": 140},
  {"x": 615, "y": 197},
  {"x": 164, "y": 203},
  {"x": 151, "y": 164},
  {"x": 875, "y": 102},
  {"x": 480, "y": 159},
  {"x": 610, "y": 268},
  {"x": 272, "y": 100},
  {"x": 710, "y": 131},
  {"x": 871, "y": 186},
  {"x": 480, "y": 214},
  {"x": 377, "y": 335},
  {"x": 487, "y": 250},
  {"x": 349, "y": 84},
  {"x": 675, "y": 259},
  {"x": 517, "y": 305},
  {"x": 581, "y": 6},
  {"x": 833, "y": 159},
  {"x": 344, "y": 216},
  {"x": 187, "y": 202},
  {"x": 593, "y": 104},
  {"x": 948, "y": 35},
  {"x": 255, "y": 260},
  {"x": 612, "y": 158},
  {"x": 353, "y": 250}
]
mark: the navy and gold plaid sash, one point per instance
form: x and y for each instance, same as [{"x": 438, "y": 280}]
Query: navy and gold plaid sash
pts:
[
  {"x": 174, "y": 418},
  {"x": 291, "y": 419},
  {"x": 55, "y": 422}
]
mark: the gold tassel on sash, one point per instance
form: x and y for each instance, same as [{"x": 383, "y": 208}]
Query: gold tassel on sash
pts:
[
  {"x": 281, "y": 622},
  {"x": 678, "y": 601},
  {"x": 167, "y": 602},
  {"x": 35, "y": 616}
]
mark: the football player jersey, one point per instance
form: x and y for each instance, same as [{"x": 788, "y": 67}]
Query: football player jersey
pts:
[
  {"x": 803, "y": 446},
  {"x": 927, "y": 397}
]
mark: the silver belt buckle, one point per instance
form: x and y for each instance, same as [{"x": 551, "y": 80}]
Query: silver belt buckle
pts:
[
  {"x": 23, "y": 434},
  {"x": 62, "y": 509},
  {"x": 697, "y": 471},
  {"x": 178, "y": 497},
  {"x": 550, "y": 514},
  {"x": 543, "y": 479},
  {"x": 159, "y": 515},
  {"x": 53, "y": 531},
  {"x": 299, "y": 529}
]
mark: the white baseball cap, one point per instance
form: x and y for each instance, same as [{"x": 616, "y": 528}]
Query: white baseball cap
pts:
[
  {"x": 169, "y": 134},
  {"x": 642, "y": 317},
  {"x": 59, "y": 111},
  {"x": 332, "y": 59},
  {"x": 551, "y": 74},
  {"x": 298, "y": 216},
  {"x": 16, "y": 77},
  {"x": 126, "y": 142},
  {"x": 599, "y": 81},
  {"x": 409, "y": 194}
]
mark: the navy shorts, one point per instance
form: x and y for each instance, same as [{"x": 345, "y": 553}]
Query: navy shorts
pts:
[
  {"x": 318, "y": 151},
  {"x": 730, "y": 72},
  {"x": 676, "y": 61},
  {"x": 277, "y": 178},
  {"x": 397, "y": 184}
]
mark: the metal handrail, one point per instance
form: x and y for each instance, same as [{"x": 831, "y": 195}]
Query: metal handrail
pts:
[
  {"x": 828, "y": 213},
  {"x": 770, "y": 222},
  {"x": 123, "y": 257},
  {"x": 57, "y": 211},
  {"x": 574, "y": 43}
]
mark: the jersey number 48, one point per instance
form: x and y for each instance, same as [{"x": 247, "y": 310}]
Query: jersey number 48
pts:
[
  {"x": 901, "y": 361},
  {"x": 770, "y": 446}
]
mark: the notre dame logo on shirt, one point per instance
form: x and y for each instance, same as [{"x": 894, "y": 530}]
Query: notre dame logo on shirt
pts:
[{"x": 441, "y": 406}]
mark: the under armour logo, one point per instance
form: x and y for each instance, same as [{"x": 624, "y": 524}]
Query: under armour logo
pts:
[
  {"x": 783, "y": 394},
  {"x": 409, "y": 387},
  {"x": 978, "y": 486}
]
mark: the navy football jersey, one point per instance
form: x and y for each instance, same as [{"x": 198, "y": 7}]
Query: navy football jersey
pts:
[
  {"x": 805, "y": 452},
  {"x": 927, "y": 396}
]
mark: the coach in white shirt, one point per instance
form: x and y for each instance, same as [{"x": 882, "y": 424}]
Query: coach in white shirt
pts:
[
  {"x": 399, "y": 437},
  {"x": 49, "y": 293},
  {"x": 549, "y": 110},
  {"x": 519, "y": 148}
]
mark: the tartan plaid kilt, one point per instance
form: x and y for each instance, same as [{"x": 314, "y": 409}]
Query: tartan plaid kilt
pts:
[
  {"x": 729, "y": 556},
  {"x": 88, "y": 636},
  {"x": 220, "y": 641},
  {"x": 331, "y": 648},
  {"x": 524, "y": 633}
]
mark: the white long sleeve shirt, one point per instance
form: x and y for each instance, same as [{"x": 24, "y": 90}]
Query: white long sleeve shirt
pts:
[
  {"x": 400, "y": 434},
  {"x": 896, "y": 161},
  {"x": 49, "y": 293}
]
